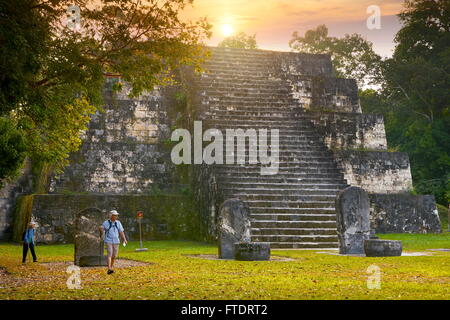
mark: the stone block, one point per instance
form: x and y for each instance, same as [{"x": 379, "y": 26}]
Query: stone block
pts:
[
  {"x": 88, "y": 243},
  {"x": 93, "y": 261},
  {"x": 252, "y": 251},
  {"x": 382, "y": 248},
  {"x": 404, "y": 213},
  {"x": 352, "y": 217},
  {"x": 233, "y": 226}
]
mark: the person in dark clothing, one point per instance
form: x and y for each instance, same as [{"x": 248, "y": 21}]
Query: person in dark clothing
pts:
[{"x": 28, "y": 242}]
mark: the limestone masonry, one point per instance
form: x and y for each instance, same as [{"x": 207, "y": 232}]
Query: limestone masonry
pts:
[{"x": 326, "y": 144}]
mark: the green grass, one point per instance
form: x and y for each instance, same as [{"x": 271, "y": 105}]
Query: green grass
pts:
[
  {"x": 173, "y": 274},
  {"x": 420, "y": 241}
]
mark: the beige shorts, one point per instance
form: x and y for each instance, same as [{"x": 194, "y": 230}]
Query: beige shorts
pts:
[{"x": 113, "y": 249}]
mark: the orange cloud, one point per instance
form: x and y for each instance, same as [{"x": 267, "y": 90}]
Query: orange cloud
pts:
[{"x": 273, "y": 21}]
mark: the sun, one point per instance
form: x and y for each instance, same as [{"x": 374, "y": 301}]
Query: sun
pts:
[{"x": 227, "y": 30}]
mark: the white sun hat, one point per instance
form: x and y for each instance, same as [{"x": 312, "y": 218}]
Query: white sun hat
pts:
[{"x": 114, "y": 213}]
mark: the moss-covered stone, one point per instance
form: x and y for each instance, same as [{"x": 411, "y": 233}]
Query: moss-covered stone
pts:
[{"x": 22, "y": 216}]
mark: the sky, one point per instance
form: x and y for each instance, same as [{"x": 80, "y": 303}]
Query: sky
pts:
[{"x": 274, "y": 21}]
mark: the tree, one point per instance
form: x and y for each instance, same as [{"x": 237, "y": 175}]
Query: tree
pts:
[
  {"x": 52, "y": 76},
  {"x": 352, "y": 56},
  {"x": 417, "y": 87},
  {"x": 239, "y": 41},
  {"x": 12, "y": 149}
]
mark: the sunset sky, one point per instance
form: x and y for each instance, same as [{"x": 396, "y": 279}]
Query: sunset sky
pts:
[{"x": 273, "y": 21}]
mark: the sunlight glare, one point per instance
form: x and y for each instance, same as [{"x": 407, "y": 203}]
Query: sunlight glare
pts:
[{"x": 227, "y": 30}]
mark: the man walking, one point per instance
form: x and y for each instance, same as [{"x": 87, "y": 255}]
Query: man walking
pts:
[
  {"x": 28, "y": 238},
  {"x": 111, "y": 230}
]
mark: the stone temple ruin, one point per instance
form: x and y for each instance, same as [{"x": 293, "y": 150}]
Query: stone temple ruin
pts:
[{"x": 326, "y": 144}]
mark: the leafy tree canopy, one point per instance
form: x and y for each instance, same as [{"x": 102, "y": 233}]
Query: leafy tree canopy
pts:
[
  {"x": 417, "y": 89},
  {"x": 12, "y": 149},
  {"x": 353, "y": 56},
  {"x": 51, "y": 76},
  {"x": 239, "y": 41}
]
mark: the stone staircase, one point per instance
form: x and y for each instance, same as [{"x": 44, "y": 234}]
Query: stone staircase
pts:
[{"x": 296, "y": 207}]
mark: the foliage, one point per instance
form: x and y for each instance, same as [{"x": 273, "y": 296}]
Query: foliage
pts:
[
  {"x": 352, "y": 56},
  {"x": 415, "y": 96},
  {"x": 12, "y": 149},
  {"x": 51, "y": 76},
  {"x": 239, "y": 41},
  {"x": 175, "y": 272}
]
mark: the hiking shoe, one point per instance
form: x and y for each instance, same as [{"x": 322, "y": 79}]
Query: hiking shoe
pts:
[
  {"x": 110, "y": 271},
  {"x": 35, "y": 261}
]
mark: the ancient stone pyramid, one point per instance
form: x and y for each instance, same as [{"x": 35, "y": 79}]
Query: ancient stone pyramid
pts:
[{"x": 326, "y": 143}]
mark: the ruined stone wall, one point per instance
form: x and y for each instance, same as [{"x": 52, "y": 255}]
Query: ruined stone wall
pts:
[
  {"x": 165, "y": 216},
  {"x": 404, "y": 213},
  {"x": 208, "y": 197},
  {"x": 323, "y": 93},
  {"x": 312, "y": 82},
  {"x": 376, "y": 171},
  {"x": 123, "y": 150},
  {"x": 342, "y": 131},
  {"x": 8, "y": 196},
  {"x": 290, "y": 64}
]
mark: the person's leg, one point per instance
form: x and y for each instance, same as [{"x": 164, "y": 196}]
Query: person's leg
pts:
[
  {"x": 115, "y": 250},
  {"x": 24, "y": 252},
  {"x": 110, "y": 253},
  {"x": 32, "y": 252}
]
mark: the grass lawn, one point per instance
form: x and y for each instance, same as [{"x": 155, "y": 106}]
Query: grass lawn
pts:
[{"x": 172, "y": 273}]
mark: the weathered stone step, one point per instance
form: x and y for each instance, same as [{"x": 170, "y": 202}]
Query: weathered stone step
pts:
[
  {"x": 292, "y": 231},
  {"x": 305, "y": 224},
  {"x": 281, "y": 174},
  {"x": 324, "y": 164},
  {"x": 242, "y": 69},
  {"x": 248, "y": 100},
  {"x": 293, "y": 185},
  {"x": 274, "y": 116},
  {"x": 278, "y": 115},
  {"x": 219, "y": 85},
  {"x": 299, "y": 151},
  {"x": 240, "y": 53},
  {"x": 261, "y": 94},
  {"x": 246, "y": 95},
  {"x": 293, "y": 191},
  {"x": 291, "y": 204},
  {"x": 256, "y": 111},
  {"x": 295, "y": 238},
  {"x": 283, "y": 197},
  {"x": 310, "y": 215},
  {"x": 275, "y": 124},
  {"x": 310, "y": 158},
  {"x": 215, "y": 108},
  {"x": 303, "y": 245},
  {"x": 314, "y": 167},
  {"x": 236, "y": 77},
  {"x": 237, "y": 59},
  {"x": 297, "y": 171},
  {"x": 282, "y": 132},
  {"x": 222, "y": 62},
  {"x": 257, "y": 180},
  {"x": 282, "y": 166},
  {"x": 222, "y": 85}
]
